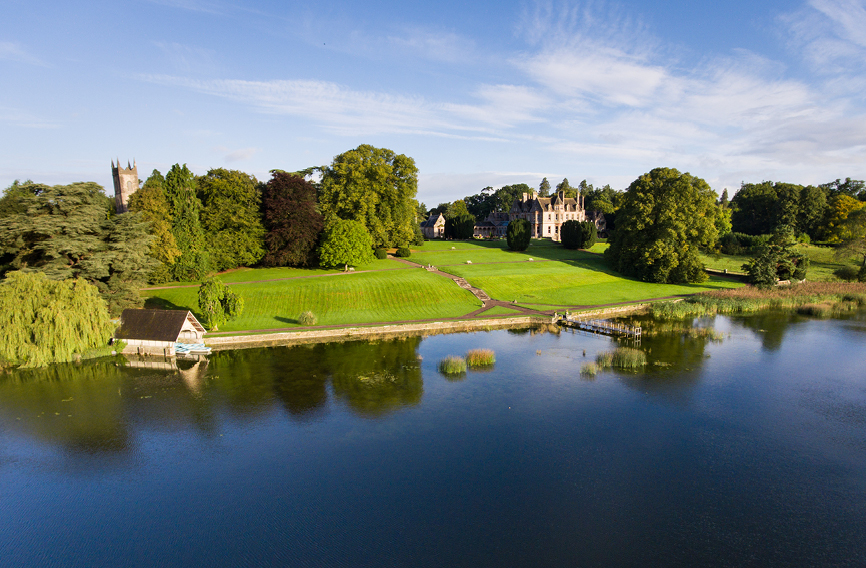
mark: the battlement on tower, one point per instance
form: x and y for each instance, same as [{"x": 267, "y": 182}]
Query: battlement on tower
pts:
[{"x": 125, "y": 184}]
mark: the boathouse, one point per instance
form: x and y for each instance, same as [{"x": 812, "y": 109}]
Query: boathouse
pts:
[{"x": 155, "y": 332}]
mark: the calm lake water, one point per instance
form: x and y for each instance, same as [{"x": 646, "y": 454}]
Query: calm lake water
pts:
[{"x": 749, "y": 451}]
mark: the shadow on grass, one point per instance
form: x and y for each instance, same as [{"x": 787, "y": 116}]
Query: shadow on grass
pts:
[{"x": 287, "y": 320}]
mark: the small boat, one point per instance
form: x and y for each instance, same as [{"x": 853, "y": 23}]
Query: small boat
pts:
[{"x": 191, "y": 349}]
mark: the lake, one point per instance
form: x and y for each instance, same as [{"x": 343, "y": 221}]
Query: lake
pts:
[{"x": 744, "y": 449}]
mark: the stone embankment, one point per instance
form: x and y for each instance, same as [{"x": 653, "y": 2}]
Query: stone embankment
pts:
[{"x": 367, "y": 333}]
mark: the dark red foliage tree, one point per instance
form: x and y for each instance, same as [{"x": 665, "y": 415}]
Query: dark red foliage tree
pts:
[{"x": 291, "y": 219}]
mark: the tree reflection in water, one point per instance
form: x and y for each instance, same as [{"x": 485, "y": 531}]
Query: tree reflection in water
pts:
[{"x": 95, "y": 406}]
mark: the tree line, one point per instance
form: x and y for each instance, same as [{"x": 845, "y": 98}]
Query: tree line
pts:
[{"x": 182, "y": 227}]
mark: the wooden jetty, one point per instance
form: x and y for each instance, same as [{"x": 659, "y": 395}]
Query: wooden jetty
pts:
[{"x": 602, "y": 327}]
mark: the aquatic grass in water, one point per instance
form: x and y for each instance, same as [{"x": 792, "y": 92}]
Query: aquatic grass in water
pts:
[
  {"x": 622, "y": 358},
  {"x": 480, "y": 357},
  {"x": 452, "y": 365},
  {"x": 589, "y": 370}
]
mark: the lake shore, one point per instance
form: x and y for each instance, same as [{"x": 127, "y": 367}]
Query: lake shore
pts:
[{"x": 376, "y": 332}]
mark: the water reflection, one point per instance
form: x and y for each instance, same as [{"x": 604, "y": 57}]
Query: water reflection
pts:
[{"x": 97, "y": 406}]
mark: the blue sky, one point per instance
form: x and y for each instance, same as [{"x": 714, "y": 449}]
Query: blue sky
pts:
[{"x": 480, "y": 93}]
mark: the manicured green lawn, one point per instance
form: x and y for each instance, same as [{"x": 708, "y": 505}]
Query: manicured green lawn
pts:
[
  {"x": 386, "y": 296},
  {"x": 439, "y": 253},
  {"x": 252, "y": 274},
  {"x": 582, "y": 281}
]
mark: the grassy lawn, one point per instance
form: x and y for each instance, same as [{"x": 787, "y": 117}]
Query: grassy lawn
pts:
[
  {"x": 386, "y": 296},
  {"x": 252, "y": 274},
  {"x": 439, "y": 253},
  {"x": 574, "y": 278}
]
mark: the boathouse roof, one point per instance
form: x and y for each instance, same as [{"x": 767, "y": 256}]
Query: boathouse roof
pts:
[{"x": 156, "y": 325}]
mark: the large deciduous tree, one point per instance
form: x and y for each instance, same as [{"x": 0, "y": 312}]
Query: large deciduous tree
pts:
[
  {"x": 292, "y": 220},
  {"x": 665, "y": 217},
  {"x": 853, "y": 240},
  {"x": 180, "y": 191},
  {"x": 375, "y": 187},
  {"x": 345, "y": 243},
  {"x": 232, "y": 218},
  {"x": 48, "y": 321},
  {"x": 566, "y": 189}
]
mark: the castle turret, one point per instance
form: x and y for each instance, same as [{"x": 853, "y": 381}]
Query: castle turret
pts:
[{"x": 125, "y": 184}]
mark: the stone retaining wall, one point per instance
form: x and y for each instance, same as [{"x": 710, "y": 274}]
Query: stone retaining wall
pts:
[{"x": 396, "y": 330}]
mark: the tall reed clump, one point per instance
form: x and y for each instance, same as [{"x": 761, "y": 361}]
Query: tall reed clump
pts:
[
  {"x": 452, "y": 365},
  {"x": 480, "y": 358},
  {"x": 307, "y": 318},
  {"x": 589, "y": 370},
  {"x": 622, "y": 358},
  {"x": 749, "y": 299}
]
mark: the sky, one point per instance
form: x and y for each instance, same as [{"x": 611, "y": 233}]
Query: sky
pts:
[{"x": 479, "y": 93}]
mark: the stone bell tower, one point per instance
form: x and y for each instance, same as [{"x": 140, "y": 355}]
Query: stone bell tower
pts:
[{"x": 125, "y": 184}]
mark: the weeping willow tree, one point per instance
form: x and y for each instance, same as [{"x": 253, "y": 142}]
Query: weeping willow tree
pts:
[{"x": 48, "y": 321}]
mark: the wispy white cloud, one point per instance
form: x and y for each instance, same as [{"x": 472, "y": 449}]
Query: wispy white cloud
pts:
[
  {"x": 188, "y": 59},
  {"x": 236, "y": 155},
  {"x": 12, "y": 51},
  {"x": 25, "y": 118},
  {"x": 830, "y": 34},
  {"x": 351, "y": 112},
  {"x": 194, "y": 5}
]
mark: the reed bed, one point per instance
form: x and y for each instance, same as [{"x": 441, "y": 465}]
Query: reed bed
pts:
[
  {"x": 589, "y": 370},
  {"x": 480, "y": 358},
  {"x": 452, "y": 365},
  {"x": 622, "y": 358},
  {"x": 840, "y": 296}
]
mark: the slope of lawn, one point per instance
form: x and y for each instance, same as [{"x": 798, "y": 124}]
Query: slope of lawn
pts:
[
  {"x": 571, "y": 278},
  {"x": 386, "y": 296},
  {"x": 255, "y": 274}
]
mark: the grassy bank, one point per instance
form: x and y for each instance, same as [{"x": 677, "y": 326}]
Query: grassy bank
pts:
[
  {"x": 555, "y": 278},
  {"x": 393, "y": 295}
]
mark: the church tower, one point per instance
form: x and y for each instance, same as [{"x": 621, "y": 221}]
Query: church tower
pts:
[{"x": 125, "y": 184}]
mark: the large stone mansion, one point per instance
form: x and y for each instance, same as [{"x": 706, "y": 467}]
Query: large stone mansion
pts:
[{"x": 544, "y": 214}]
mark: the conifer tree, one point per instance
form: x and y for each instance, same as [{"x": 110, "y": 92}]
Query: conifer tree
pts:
[
  {"x": 71, "y": 231},
  {"x": 544, "y": 188},
  {"x": 180, "y": 190}
]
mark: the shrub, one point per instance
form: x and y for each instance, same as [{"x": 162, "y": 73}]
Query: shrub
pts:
[
  {"x": 403, "y": 252},
  {"x": 461, "y": 227},
  {"x": 480, "y": 357},
  {"x": 571, "y": 234},
  {"x": 730, "y": 244},
  {"x": 380, "y": 253},
  {"x": 452, "y": 365},
  {"x": 518, "y": 234},
  {"x": 307, "y": 318}
]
